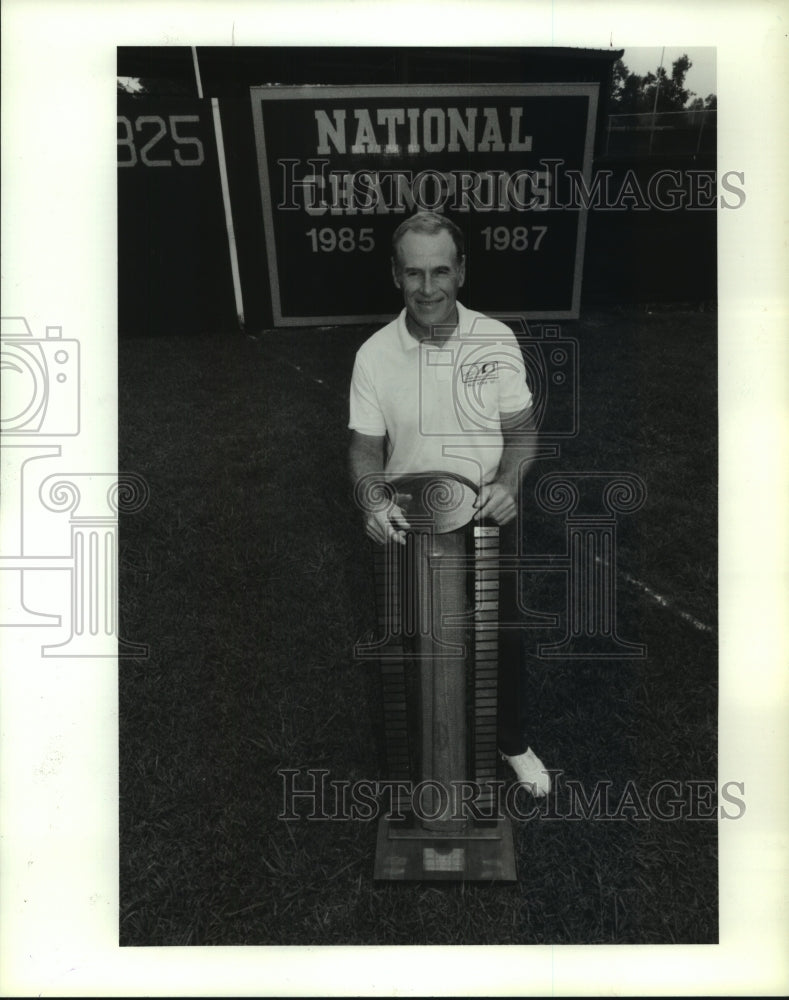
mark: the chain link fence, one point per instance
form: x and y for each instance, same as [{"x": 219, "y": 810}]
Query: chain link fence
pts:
[{"x": 685, "y": 133}]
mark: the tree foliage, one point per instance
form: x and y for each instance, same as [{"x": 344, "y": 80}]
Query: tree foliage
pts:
[{"x": 634, "y": 94}]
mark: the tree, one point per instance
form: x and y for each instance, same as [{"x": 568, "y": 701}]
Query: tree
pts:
[
  {"x": 634, "y": 94},
  {"x": 672, "y": 95},
  {"x": 710, "y": 104},
  {"x": 626, "y": 90}
]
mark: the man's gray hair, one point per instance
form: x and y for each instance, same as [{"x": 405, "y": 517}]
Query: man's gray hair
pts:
[{"x": 429, "y": 223}]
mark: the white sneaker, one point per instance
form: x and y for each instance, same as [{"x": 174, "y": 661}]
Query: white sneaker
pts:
[{"x": 530, "y": 771}]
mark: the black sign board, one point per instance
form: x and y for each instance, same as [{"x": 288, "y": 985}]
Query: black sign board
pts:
[
  {"x": 341, "y": 166},
  {"x": 174, "y": 274}
]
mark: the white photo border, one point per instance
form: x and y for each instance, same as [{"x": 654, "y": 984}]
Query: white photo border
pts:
[{"x": 59, "y": 854}]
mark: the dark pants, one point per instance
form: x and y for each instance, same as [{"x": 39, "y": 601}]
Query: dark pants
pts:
[
  {"x": 519, "y": 671},
  {"x": 516, "y": 707}
]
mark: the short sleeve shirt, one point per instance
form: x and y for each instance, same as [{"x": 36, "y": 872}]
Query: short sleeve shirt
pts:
[{"x": 440, "y": 407}]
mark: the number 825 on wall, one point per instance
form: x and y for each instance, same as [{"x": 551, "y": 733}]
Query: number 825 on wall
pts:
[{"x": 149, "y": 131}]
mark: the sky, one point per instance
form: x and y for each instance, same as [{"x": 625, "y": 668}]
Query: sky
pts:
[
  {"x": 701, "y": 75},
  {"x": 642, "y": 60}
]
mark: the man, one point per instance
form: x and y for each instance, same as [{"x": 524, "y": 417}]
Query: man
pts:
[{"x": 443, "y": 388}]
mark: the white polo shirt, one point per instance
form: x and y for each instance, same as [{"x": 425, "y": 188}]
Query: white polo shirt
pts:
[{"x": 440, "y": 407}]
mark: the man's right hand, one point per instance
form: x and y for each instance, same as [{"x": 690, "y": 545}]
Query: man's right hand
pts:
[
  {"x": 389, "y": 525},
  {"x": 386, "y": 523}
]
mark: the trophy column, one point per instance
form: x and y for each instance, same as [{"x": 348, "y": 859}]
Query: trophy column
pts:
[{"x": 439, "y": 660}]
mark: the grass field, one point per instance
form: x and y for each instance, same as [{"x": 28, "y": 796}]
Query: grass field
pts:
[{"x": 248, "y": 577}]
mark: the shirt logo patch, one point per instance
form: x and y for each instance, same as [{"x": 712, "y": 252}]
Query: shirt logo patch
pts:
[{"x": 480, "y": 371}]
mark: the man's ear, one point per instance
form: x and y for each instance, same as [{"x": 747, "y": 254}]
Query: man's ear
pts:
[
  {"x": 462, "y": 271},
  {"x": 395, "y": 275}
]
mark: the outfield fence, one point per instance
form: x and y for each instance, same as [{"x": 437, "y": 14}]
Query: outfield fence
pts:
[{"x": 684, "y": 133}]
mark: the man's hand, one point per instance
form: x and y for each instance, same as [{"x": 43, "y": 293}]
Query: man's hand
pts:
[
  {"x": 497, "y": 502},
  {"x": 388, "y": 525},
  {"x": 383, "y": 522}
]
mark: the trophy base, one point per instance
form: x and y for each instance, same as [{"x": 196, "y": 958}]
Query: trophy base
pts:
[{"x": 483, "y": 852}]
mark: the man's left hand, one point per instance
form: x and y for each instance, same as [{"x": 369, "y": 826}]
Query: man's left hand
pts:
[{"x": 497, "y": 502}]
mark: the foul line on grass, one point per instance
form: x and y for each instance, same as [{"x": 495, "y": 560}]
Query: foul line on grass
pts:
[
  {"x": 685, "y": 615},
  {"x": 664, "y": 602},
  {"x": 300, "y": 370},
  {"x": 661, "y": 600}
]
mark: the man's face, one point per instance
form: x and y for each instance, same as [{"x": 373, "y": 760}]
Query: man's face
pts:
[{"x": 428, "y": 272}]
